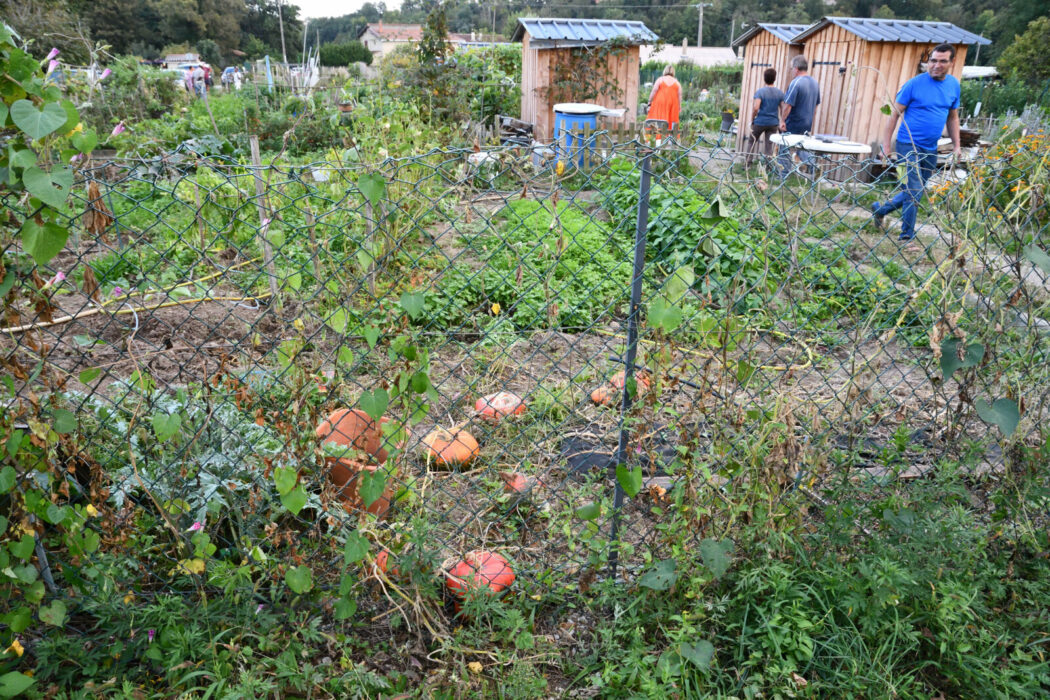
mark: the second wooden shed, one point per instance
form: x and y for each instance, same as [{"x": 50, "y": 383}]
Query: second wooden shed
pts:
[
  {"x": 765, "y": 46},
  {"x": 860, "y": 65},
  {"x": 552, "y": 69}
]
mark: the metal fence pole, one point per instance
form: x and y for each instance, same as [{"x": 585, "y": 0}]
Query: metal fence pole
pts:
[{"x": 632, "y": 346}]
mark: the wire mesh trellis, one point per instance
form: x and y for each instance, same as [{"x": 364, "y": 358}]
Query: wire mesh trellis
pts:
[{"x": 236, "y": 376}]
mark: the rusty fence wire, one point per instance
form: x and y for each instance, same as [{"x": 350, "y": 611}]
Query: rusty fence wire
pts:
[{"x": 256, "y": 380}]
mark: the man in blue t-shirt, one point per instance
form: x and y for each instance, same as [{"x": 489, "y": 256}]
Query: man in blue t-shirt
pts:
[
  {"x": 798, "y": 109},
  {"x": 928, "y": 102}
]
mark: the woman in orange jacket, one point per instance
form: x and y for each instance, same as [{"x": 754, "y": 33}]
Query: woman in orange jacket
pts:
[{"x": 665, "y": 101}]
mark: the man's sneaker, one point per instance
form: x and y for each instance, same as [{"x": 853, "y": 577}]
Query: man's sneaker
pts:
[
  {"x": 906, "y": 237},
  {"x": 875, "y": 216}
]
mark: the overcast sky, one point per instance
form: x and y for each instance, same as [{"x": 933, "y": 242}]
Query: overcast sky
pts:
[{"x": 332, "y": 8}]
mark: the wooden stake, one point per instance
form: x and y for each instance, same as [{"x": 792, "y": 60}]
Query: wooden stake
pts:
[{"x": 264, "y": 215}]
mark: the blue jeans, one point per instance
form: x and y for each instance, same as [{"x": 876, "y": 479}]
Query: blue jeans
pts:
[
  {"x": 784, "y": 159},
  {"x": 920, "y": 166}
]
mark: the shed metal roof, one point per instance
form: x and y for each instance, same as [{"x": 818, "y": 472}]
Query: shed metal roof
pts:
[
  {"x": 901, "y": 30},
  {"x": 580, "y": 32},
  {"x": 784, "y": 32}
]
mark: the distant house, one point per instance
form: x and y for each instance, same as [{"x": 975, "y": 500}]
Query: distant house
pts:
[
  {"x": 703, "y": 56},
  {"x": 174, "y": 59},
  {"x": 549, "y": 47},
  {"x": 381, "y": 38}
]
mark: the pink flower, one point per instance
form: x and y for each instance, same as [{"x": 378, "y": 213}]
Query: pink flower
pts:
[
  {"x": 51, "y": 66},
  {"x": 117, "y": 291},
  {"x": 77, "y": 158},
  {"x": 150, "y": 635},
  {"x": 105, "y": 74},
  {"x": 259, "y": 609},
  {"x": 264, "y": 223},
  {"x": 57, "y": 279},
  {"x": 52, "y": 54},
  {"x": 196, "y": 527},
  {"x": 118, "y": 129}
]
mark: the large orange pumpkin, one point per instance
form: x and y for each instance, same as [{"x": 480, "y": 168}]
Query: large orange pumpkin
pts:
[
  {"x": 495, "y": 407},
  {"x": 451, "y": 448},
  {"x": 609, "y": 393},
  {"x": 345, "y": 474},
  {"x": 352, "y": 427},
  {"x": 641, "y": 381},
  {"x": 479, "y": 570}
]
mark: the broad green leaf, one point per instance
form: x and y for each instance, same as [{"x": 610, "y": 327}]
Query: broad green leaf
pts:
[
  {"x": 299, "y": 578},
  {"x": 37, "y": 123},
  {"x": 3, "y": 114},
  {"x": 8, "y": 475},
  {"x": 295, "y": 500},
  {"x": 51, "y": 188},
  {"x": 663, "y": 316},
  {"x": 294, "y": 281},
  {"x": 346, "y": 356},
  {"x": 374, "y": 403},
  {"x": 18, "y": 620},
  {"x": 64, "y": 421},
  {"x": 371, "y": 336},
  {"x": 337, "y": 320},
  {"x": 1003, "y": 413},
  {"x": 699, "y": 653},
  {"x": 34, "y": 593},
  {"x": 661, "y": 577},
  {"x": 89, "y": 375},
  {"x": 412, "y": 303},
  {"x": 43, "y": 241},
  {"x": 373, "y": 483},
  {"x": 716, "y": 557},
  {"x": 13, "y": 684},
  {"x": 85, "y": 141},
  {"x": 9, "y": 281},
  {"x": 630, "y": 480},
  {"x": 744, "y": 372},
  {"x": 372, "y": 186},
  {"x": 23, "y": 548},
  {"x": 56, "y": 515},
  {"x": 589, "y": 511},
  {"x": 285, "y": 479},
  {"x": 950, "y": 361},
  {"x": 886, "y": 109},
  {"x": 54, "y": 614},
  {"x": 356, "y": 547},
  {"x": 345, "y": 608},
  {"x": 166, "y": 425},
  {"x": 1038, "y": 256},
  {"x": 420, "y": 382},
  {"x": 22, "y": 158}
]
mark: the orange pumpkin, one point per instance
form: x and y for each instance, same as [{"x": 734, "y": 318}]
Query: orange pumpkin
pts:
[
  {"x": 352, "y": 427},
  {"x": 495, "y": 407},
  {"x": 479, "y": 570},
  {"x": 603, "y": 395},
  {"x": 385, "y": 564},
  {"x": 641, "y": 381},
  {"x": 513, "y": 482},
  {"x": 345, "y": 474},
  {"x": 451, "y": 448}
]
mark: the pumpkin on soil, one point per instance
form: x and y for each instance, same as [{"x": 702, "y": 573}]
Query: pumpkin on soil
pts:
[
  {"x": 346, "y": 473},
  {"x": 352, "y": 427},
  {"x": 479, "y": 570},
  {"x": 451, "y": 448},
  {"x": 603, "y": 395},
  {"x": 495, "y": 407},
  {"x": 609, "y": 393},
  {"x": 641, "y": 381},
  {"x": 385, "y": 563}
]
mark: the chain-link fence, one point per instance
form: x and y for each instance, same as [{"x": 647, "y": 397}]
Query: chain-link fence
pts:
[{"x": 252, "y": 380}]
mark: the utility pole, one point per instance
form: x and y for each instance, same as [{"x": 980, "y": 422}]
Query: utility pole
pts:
[
  {"x": 280, "y": 25},
  {"x": 700, "y": 26}
]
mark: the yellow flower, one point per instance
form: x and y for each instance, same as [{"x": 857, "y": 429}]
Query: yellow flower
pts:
[
  {"x": 78, "y": 128},
  {"x": 16, "y": 647},
  {"x": 91, "y": 510},
  {"x": 559, "y": 169},
  {"x": 496, "y": 308}
]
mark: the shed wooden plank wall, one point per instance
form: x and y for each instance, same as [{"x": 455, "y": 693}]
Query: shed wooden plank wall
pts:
[
  {"x": 850, "y": 100},
  {"x": 764, "y": 50},
  {"x": 537, "y": 69}
]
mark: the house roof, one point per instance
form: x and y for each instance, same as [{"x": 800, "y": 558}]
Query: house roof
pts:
[
  {"x": 697, "y": 55},
  {"x": 898, "y": 30},
  {"x": 551, "y": 32},
  {"x": 394, "y": 32},
  {"x": 784, "y": 32}
]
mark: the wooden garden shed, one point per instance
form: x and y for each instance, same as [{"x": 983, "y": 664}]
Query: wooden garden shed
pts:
[
  {"x": 860, "y": 65},
  {"x": 562, "y": 60},
  {"x": 764, "y": 45}
]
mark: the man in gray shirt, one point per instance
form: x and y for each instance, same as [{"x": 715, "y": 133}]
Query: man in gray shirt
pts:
[{"x": 797, "y": 110}]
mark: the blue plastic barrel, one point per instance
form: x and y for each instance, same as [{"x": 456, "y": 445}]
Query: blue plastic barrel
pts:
[{"x": 569, "y": 117}]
